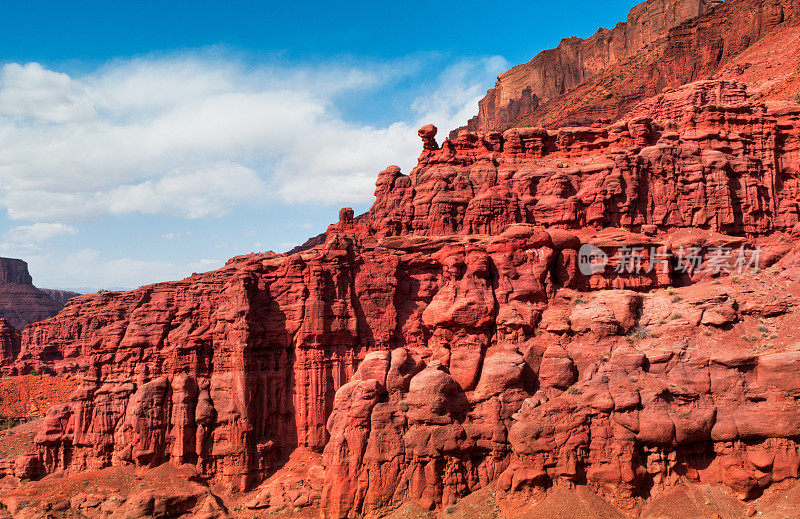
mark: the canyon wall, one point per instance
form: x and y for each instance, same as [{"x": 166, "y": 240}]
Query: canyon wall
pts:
[
  {"x": 10, "y": 342},
  {"x": 14, "y": 271},
  {"x": 60, "y": 296},
  {"x": 448, "y": 339},
  {"x": 664, "y": 44},
  {"x": 22, "y": 303},
  {"x": 698, "y": 156}
]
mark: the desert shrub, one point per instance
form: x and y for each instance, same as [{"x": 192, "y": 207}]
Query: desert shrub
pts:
[{"x": 640, "y": 332}]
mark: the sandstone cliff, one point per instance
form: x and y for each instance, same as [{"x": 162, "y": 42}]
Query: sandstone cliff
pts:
[
  {"x": 450, "y": 347},
  {"x": 10, "y": 342},
  {"x": 665, "y": 43},
  {"x": 447, "y": 340},
  {"x": 22, "y": 303},
  {"x": 59, "y": 296}
]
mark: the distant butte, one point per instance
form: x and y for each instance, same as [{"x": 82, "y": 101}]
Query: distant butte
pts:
[
  {"x": 452, "y": 351},
  {"x": 21, "y": 303}
]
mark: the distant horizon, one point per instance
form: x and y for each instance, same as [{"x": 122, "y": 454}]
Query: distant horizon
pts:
[{"x": 206, "y": 133}]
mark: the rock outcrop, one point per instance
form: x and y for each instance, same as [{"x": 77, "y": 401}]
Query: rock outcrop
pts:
[
  {"x": 664, "y": 44},
  {"x": 10, "y": 342},
  {"x": 449, "y": 339},
  {"x": 602, "y": 311},
  {"x": 699, "y": 156},
  {"x": 21, "y": 303},
  {"x": 60, "y": 296},
  {"x": 14, "y": 271}
]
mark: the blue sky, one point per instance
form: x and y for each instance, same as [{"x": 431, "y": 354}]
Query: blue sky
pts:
[{"x": 144, "y": 141}]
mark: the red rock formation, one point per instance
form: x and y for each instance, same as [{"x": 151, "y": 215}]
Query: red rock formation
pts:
[
  {"x": 22, "y": 303},
  {"x": 438, "y": 342},
  {"x": 665, "y": 43},
  {"x": 14, "y": 271},
  {"x": 699, "y": 156},
  {"x": 60, "y": 296},
  {"x": 10, "y": 341},
  {"x": 451, "y": 340}
]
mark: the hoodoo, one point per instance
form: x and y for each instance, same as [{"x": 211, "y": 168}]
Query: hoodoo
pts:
[{"x": 600, "y": 317}]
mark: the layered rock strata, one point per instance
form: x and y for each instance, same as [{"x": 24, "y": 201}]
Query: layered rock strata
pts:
[
  {"x": 664, "y": 44},
  {"x": 448, "y": 339},
  {"x": 21, "y": 303},
  {"x": 698, "y": 156}
]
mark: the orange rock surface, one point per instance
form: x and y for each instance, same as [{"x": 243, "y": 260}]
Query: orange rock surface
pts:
[
  {"x": 664, "y": 44},
  {"x": 448, "y": 351}
]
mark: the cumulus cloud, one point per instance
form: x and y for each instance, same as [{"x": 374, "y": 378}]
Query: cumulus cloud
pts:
[
  {"x": 193, "y": 136},
  {"x": 38, "y": 232},
  {"x": 31, "y": 91},
  {"x": 454, "y": 98},
  {"x": 93, "y": 269},
  {"x": 202, "y": 135}
]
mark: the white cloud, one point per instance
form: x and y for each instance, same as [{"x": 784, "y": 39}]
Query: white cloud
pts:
[
  {"x": 176, "y": 236},
  {"x": 30, "y": 91},
  {"x": 197, "y": 135},
  {"x": 460, "y": 86},
  {"x": 38, "y": 232},
  {"x": 90, "y": 267},
  {"x": 194, "y": 135},
  {"x": 289, "y": 245},
  {"x": 205, "y": 192}
]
